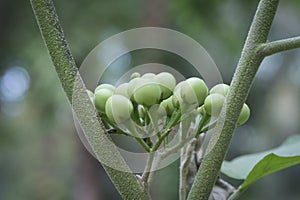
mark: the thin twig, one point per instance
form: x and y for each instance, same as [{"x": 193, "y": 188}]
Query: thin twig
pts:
[
  {"x": 143, "y": 143},
  {"x": 147, "y": 170},
  {"x": 185, "y": 159},
  {"x": 227, "y": 186},
  {"x": 280, "y": 45}
]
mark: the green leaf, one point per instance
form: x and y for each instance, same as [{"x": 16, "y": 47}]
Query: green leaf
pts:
[
  {"x": 269, "y": 164},
  {"x": 254, "y": 166}
]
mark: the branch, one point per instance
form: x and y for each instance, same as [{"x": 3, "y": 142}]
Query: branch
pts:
[
  {"x": 186, "y": 155},
  {"x": 126, "y": 183},
  {"x": 240, "y": 86},
  {"x": 280, "y": 45},
  {"x": 147, "y": 171}
]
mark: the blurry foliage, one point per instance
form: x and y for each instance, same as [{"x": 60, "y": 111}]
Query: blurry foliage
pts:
[{"x": 39, "y": 147}]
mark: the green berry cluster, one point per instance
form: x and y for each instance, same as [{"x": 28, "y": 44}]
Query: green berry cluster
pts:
[
  {"x": 214, "y": 101},
  {"x": 122, "y": 103},
  {"x": 157, "y": 102}
]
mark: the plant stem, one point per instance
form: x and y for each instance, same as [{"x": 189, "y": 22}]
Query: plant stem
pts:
[
  {"x": 148, "y": 168},
  {"x": 126, "y": 183},
  {"x": 147, "y": 171},
  {"x": 161, "y": 139},
  {"x": 185, "y": 160},
  {"x": 280, "y": 45},
  {"x": 240, "y": 86},
  {"x": 143, "y": 144}
]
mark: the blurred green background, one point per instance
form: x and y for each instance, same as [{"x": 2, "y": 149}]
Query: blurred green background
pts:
[{"x": 41, "y": 156}]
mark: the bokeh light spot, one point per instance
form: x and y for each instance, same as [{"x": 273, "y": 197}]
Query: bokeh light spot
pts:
[{"x": 14, "y": 84}]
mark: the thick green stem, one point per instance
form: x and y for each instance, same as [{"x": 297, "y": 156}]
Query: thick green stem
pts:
[
  {"x": 240, "y": 86},
  {"x": 126, "y": 183}
]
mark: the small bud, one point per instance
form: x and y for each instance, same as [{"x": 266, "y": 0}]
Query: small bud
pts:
[
  {"x": 213, "y": 104},
  {"x": 132, "y": 85},
  {"x": 118, "y": 108},
  {"x": 148, "y": 93},
  {"x": 244, "y": 115},
  {"x": 168, "y": 105},
  {"x": 167, "y": 83},
  {"x": 150, "y": 76},
  {"x": 101, "y": 97},
  {"x": 221, "y": 89},
  {"x": 135, "y": 75},
  {"x": 199, "y": 88},
  {"x": 105, "y": 86},
  {"x": 123, "y": 90}
]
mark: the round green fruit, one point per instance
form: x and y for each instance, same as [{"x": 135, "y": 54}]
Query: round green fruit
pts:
[
  {"x": 147, "y": 94},
  {"x": 199, "y": 88},
  {"x": 105, "y": 86},
  {"x": 220, "y": 89},
  {"x": 187, "y": 94},
  {"x": 213, "y": 104},
  {"x": 168, "y": 105},
  {"x": 184, "y": 97},
  {"x": 176, "y": 98},
  {"x": 118, "y": 108},
  {"x": 150, "y": 76},
  {"x": 135, "y": 75},
  {"x": 244, "y": 115},
  {"x": 101, "y": 97},
  {"x": 122, "y": 90},
  {"x": 194, "y": 91},
  {"x": 167, "y": 83},
  {"x": 133, "y": 84}
]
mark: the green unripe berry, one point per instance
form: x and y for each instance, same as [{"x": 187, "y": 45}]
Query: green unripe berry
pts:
[
  {"x": 213, "y": 104},
  {"x": 147, "y": 94},
  {"x": 188, "y": 95},
  {"x": 244, "y": 115},
  {"x": 184, "y": 97},
  {"x": 118, "y": 108},
  {"x": 199, "y": 87},
  {"x": 135, "y": 75},
  {"x": 167, "y": 83},
  {"x": 220, "y": 89},
  {"x": 176, "y": 98},
  {"x": 101, "y": 97},
  {"x": 132, "y": 85},
  {"x": 150, "y": 76},
  {"x": 192, "y": 92},
  {"x": 168, "y": 105},
  {"x": 123, "y": 90},
  {"x": 105, "y": 86}
]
